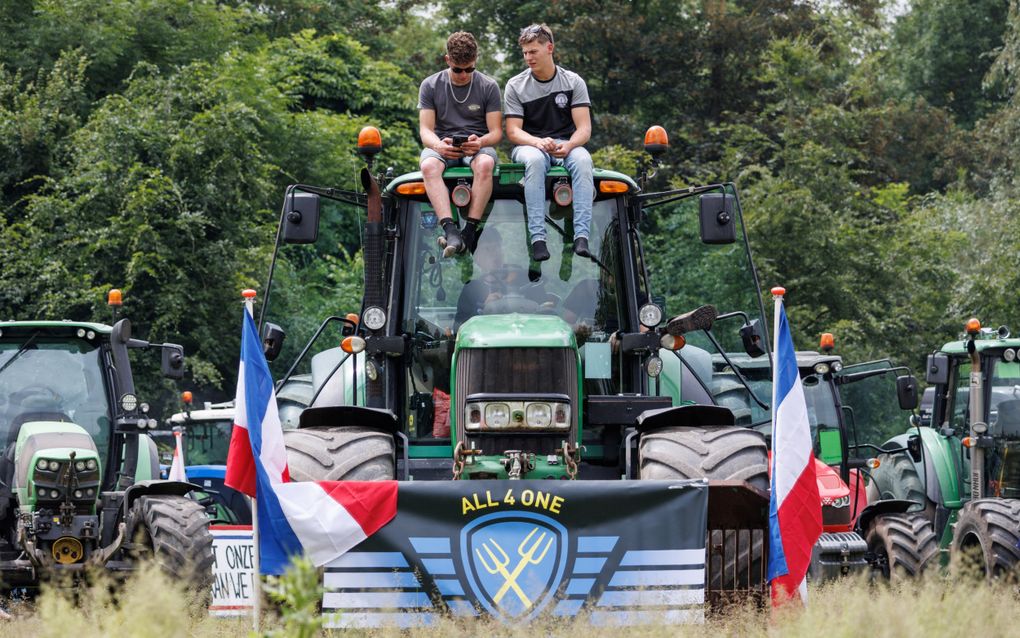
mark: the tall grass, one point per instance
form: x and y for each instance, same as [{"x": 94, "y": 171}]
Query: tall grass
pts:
[{"x": 151, "y": 605}]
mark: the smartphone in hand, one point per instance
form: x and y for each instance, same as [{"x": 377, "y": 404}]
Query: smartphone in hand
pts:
[{"x": 459, "y": 139}]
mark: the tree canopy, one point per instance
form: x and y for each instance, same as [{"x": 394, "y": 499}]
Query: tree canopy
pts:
[{"x": 146, "y": 144}]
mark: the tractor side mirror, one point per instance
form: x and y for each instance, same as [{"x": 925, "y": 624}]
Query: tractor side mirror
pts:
[
  {"x": 830, "y": 443},
  {"x": 716, "y": 217},
  {"x": 754, "y": 340},
  {"x": 937, "y": 369},
  {"x": 121, "y": 331},
  {"x": 173, "y": 361},
  {"x": 906, "y": 391},
  {"x": 272, "y": 340},
  {"x": 301, "y": 218}
]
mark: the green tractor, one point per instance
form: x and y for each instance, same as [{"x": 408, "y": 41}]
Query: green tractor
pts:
[
  {"x": 493, "y": 366},
  {"x": 962, "y": 467},
  {"x": 80, "y": 474}
]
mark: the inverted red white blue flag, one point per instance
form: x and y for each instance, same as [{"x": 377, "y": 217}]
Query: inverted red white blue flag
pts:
[
  {"x": 177, "y": 472},
  {"x": 321, "y": 519},
  {"x": 795, "y": 511}
]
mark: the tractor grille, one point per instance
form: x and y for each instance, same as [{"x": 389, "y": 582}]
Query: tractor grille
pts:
[{"x": 516, "y": 371}]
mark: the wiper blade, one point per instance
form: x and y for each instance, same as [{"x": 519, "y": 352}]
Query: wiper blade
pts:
[{"x": 20, "y": 352}]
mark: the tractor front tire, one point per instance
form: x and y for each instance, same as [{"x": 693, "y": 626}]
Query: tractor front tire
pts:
[
  {"x": 174, "y": 530},
  {"x": 989, "y": 529},
  {"x": 903, "y": 545},
  {"x": 734, "y": 557},
  {"x": 340, "y": 454},
  {"x": 897, "y": 478}
]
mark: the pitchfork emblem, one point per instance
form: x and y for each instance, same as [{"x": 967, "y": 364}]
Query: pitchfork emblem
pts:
[{"x": 499, "y": 564}]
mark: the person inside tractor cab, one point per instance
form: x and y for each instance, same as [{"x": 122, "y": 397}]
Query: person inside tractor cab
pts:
[
  {"x": 459, "y": 123},
  {"x": 548, "y": 118},
  {"x": 497, "y": 288}
]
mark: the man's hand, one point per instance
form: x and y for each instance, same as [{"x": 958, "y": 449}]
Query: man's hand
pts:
[
  {"x": 447, "y": 149},
  {"x": 561, "y": 150},
  {"x": 472, "y": 145},
  {"x": 546, "y": 144}
]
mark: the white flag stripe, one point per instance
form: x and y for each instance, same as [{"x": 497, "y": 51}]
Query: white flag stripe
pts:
[
  {"x": 795, "y": 444},
  {"x": 326, "y": 530}
]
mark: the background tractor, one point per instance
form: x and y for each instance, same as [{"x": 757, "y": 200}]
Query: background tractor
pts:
[
  {"x": 205, "y": 440},
  {"x": 79, "y": 476},
  {"x": 494, "y": 366},
  {"x": 962, "y": 467}
]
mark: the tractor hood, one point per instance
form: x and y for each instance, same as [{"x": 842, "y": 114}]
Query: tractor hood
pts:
[
  {"x": 53, "y": 442},
  {"x": 515, "y": 331}
]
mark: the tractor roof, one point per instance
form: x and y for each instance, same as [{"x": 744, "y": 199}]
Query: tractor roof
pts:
[
  {"x": 983, "y": 343},
  {"x": 65, "y": 323},
  {"x": 805, "y": 359},
  {"x": 512, "y": 174}
]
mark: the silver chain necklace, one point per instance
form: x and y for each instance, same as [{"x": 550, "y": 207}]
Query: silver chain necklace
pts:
[{"x": 471, "y": 85}]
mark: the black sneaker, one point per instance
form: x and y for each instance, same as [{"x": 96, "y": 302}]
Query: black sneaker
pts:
[
  {"x": 697, "y": 319},
  {"x": 581, "y": 247},
  {"x": 454, "y": 243},
  {"x": 470, "y": 236},
  {"x": 538, "y": 250}
]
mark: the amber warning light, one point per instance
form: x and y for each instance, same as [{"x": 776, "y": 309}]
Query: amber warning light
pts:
[
  {"x": 369, "y": 141},
  {"x": 973, "y": 326},
  {"x": 656, "y": 140},
  {"x": 827, "y": 342},
  {"x": 114, "y": 297},
  {"x": 186, "y": 396}
]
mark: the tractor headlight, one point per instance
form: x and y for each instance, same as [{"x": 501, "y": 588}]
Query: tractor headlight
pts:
[
  {"x": 473, "y": 416},
  {"x": 821, "y": 368},
  {"x": 79, "y": 465},
  {"x": 1009, "y": 355},
  {"x": 54, "y": 494},
  {"x": 650, "y": 315},
  {"x": 129, "y": 402},
  {"x": 53, "y": 466},
  {"x": 78, "y": 494},
  {"x": 91, "y": 464},
  {"x": 42, "y": 464},
  {"x": 374, "y": 318},
  {"x": 539, "y": 415},
  {"x": 497, "y": 415}
]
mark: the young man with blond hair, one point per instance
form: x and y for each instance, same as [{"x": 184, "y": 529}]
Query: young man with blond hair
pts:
[
  {"x": 459, "y": 123},
  {"x": 548, "y": 117}
]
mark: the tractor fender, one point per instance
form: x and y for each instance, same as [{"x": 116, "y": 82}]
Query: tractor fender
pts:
[
  {"x": 890, "y": 506},
  {"x": 147, "y": 488},
  {"x": 700, "y": 416}
]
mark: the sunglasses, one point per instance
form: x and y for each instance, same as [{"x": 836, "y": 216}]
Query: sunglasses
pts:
[
  {"x": 536, "y": 29},
  {"x": 462, "y": 69}
]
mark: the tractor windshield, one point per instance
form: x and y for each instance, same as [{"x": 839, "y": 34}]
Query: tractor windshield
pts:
[
  {"x": 690, "y": 273},
  {"x": 441, "y": 294},
  {"x": 48, "y": 379},
  {"x": 207, "y": 442}
]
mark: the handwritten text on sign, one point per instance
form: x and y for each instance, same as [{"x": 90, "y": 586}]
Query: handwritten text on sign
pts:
[{"x": 233, "y": 588}]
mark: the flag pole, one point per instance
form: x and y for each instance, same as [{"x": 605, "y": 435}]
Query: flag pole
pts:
[
  {"x": 256, "y": 609},
  {"x": 777, "y": 295}
]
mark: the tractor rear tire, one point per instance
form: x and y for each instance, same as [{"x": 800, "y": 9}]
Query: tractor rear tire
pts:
[
  {"x": 734, "y": 558},
  {"x": 340, "y": 454},
  {"x": 174, "y": 530},
  {"x": 991, "y": 526},
  {"x": 904, "y": 544},
  {"x": 897, "y": 478}
]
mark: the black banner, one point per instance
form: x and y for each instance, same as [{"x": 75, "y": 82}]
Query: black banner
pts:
[{"x": 621, "y": 552}]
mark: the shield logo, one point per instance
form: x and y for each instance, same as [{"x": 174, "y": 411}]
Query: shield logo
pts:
[{"x": 514, "y": 562}]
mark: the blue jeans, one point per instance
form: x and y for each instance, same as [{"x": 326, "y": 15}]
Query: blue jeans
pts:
[{"x": 536, "y": 165}]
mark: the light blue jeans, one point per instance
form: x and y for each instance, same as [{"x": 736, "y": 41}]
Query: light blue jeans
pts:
[{"x": 536, "y": 165}]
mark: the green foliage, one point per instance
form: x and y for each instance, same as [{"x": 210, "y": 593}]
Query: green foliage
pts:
[{"x": 298, "y": 593}]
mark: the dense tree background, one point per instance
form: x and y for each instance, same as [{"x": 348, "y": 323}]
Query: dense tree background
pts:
[{"x": 145, "y": 145}]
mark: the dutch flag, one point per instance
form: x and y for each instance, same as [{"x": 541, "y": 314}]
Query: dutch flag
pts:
[
  {"x": 795, "y": 511},
  {"x": 321, "y": 519}
]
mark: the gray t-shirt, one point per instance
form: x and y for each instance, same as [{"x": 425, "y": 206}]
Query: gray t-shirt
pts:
[
  {"x": 460, "y": 110},
  {"x": 546, "y": 106}
]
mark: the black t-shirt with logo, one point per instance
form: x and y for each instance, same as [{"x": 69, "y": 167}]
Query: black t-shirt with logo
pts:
[{"x": 545, "y": 106}]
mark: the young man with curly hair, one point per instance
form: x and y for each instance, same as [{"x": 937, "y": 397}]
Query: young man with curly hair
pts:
[{"x": 459, "y": 122}]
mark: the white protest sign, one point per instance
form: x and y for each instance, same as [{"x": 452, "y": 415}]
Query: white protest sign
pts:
[{"x": 233, "y": 589}]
